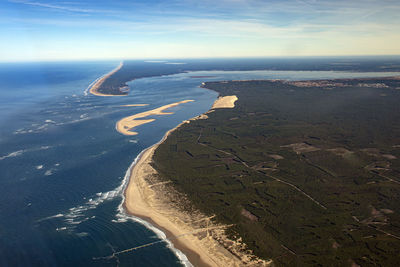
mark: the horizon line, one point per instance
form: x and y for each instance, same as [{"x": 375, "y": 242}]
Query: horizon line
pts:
[{"x": 194, "y": 58}]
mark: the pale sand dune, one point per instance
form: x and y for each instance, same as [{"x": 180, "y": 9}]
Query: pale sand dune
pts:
[
  {"x": 225, "y": 102},
  {"x": 96, "y": 86},
  {"x": 126, "y": 125}
]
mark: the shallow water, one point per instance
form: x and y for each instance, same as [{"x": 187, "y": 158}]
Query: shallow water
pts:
[{"x": 63, "y": 165}]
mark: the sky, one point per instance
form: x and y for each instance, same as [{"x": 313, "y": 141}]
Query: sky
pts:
[{"x": 44, "y": 30}]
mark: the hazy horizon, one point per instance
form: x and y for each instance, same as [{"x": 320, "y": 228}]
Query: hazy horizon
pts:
[{"x": 172, "y": 59}]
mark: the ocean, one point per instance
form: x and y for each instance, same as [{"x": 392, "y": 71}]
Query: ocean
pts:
[{"x": 63, "y": 166}]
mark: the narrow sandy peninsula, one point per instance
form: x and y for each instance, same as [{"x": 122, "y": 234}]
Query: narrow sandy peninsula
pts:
[
  {"x": 94, "y": 89},
  {"x": 127, "y": 124},
  {"x": 201, "y": 240}
]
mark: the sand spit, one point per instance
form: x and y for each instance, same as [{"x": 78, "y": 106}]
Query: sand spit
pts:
[
  {"x": 127, "y": 124},
  {"x": 96, "y": 86},
  {"x": 203, "y": 241},
  {"x": 225, "y": 102}
]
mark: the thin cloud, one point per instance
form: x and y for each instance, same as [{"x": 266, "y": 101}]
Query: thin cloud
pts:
[{"x": 56, "y": 7}]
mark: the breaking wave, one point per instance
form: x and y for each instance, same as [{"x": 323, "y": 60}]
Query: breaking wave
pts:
[{"x": 22, "y": 151}]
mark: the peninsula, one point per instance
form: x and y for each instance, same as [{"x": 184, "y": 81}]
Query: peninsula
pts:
[
  {"x": 277, "y": 172},
  {"x": 115, "y": 83},
  {"x": 101, "y": 88},
  {"x": 203, "y": 241},
  {"x": 301, "y": 173}
]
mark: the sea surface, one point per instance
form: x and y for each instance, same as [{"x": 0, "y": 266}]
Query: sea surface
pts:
[{"x": 63, "y": 166}]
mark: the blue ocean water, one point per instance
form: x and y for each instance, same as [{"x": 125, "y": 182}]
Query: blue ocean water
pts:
[{"x": 63, "y": 166}]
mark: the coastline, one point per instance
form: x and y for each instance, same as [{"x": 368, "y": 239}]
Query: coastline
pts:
[
  {"x": 135, "y": 204},
  {"x": 203, "y": 242},
  {"x": 95, "y": 87}
]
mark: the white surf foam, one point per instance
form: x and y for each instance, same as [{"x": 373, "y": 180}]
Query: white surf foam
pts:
[
  {"x": 51, "y": 217},
  {"x": 123, "y": 216},
  {"x": 86, "y": 92},
  {"x": 155, "y": 61},
  {"x": 49, "y": 172},
  {"x": 22, "y": 151},
  {"x": 13, "y": 154},
  {"x": 75, "y": 215},
  {"x": 175, "y": 63}
]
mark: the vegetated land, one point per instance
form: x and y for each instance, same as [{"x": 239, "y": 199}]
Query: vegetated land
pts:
[
  {"x": 115, "y": 84},
  {"x": 308, "y": 173}
]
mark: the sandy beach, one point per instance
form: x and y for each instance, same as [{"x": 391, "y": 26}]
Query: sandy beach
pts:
[
  {"x": 94, "y": 89},
  {"x": 225, "y": 102},
  {"x": 127, "y": 124},
  {"x": 203, "y": 241}
]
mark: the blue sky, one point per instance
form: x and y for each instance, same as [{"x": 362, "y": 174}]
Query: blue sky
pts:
[{"x": 74, "y": 30}]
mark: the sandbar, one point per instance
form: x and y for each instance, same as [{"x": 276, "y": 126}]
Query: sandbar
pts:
[
  {"x": 225, "y": 102},
  {"x": 127, "y": 124},
  {"x": 94, "y": 89}
]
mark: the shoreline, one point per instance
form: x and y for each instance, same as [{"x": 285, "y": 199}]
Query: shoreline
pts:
[
  {"x": 203, "y": 242},
  {"x": 193, "y": 257},
  {"x": 129, "y": 195},
  {"x": 94, "y": 88}
]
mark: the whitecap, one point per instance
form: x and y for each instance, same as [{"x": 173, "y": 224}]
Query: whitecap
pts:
[
  {"x": 86, "y": 92},
  {"x": 22, "y": 151},
  {"x": 82, "y": 234},
  {"x": 13, "y": 154},
  {"x": 59, "y": 215},
  {"x": 42, "y": 127},
  {"x": 175, "y": 63}
]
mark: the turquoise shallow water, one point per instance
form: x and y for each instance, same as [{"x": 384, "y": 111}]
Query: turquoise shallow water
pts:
[{"x": 63, "y": 165}]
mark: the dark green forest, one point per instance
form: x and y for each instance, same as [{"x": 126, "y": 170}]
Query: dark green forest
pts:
[{"x": 306, "y": 175}]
